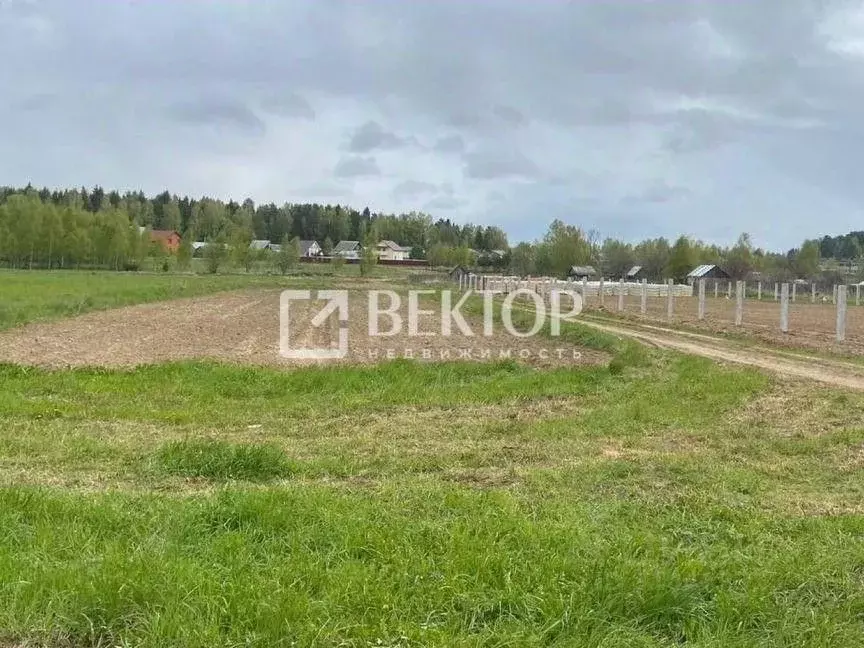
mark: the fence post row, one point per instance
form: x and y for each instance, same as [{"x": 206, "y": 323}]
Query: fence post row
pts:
[
  {"x": 621, "y": 294},
  {"x": 739, "y": 302},
  {"x": 841, "y": 313},
  {"x": 784, "y": 308},
  {"x": 644, "y": 304},
  {"x": 784, "y": 292},
  {"x": 670, "y": 299}
]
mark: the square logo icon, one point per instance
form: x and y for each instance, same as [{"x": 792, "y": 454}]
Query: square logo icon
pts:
[{"x": 293, "y": 323}]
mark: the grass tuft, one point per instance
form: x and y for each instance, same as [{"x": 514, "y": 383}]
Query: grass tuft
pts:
[{"x": 220, "y": 460}]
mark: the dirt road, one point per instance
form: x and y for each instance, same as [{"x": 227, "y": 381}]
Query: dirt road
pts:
[{"x": 825, "y": 370}]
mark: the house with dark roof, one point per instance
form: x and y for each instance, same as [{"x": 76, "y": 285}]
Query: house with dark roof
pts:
[
  {"x": 348, "y": 249},
  {"x": 458, "y": 272},
  {"x": 310, "y": 249},
  {"x": 578, "y": 272},
  {"x": 636, "y": 273},
  {"x": 707, "y": 271}
]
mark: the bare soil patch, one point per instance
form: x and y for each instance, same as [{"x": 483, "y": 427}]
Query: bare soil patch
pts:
[{"x": 243, "y": 327}]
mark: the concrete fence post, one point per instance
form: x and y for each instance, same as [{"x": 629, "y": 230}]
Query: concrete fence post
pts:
[
  {"x": 784, "y": 308},
  {"x": 601, "y": 291},
  {"x": 841, "y": 313},
  {"x": 776, "y": 291},
  {"x": 584, "y": 290},
  {"x": 670, "y": 299},
  {"x": 857, "y": 294},
  {"x": 729, "y": 289},
  {"x": 794, "y": 290},
  {"x": 739, "y": 302},
  {"x": 716, "y": 289},
  {"x": 701, "y": 299},
  {"x": 834, "y": 295},
  {"x": 621, "y": 294},
  {"x": 644, "y": 304},
  {"x": 812, "y": 292},
  {"x": 759, "y": 291}
]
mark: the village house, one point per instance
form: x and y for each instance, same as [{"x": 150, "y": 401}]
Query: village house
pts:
[
  {"x": 577, "y": 273},
  {"x": 458, "y": 272},
  {"x": 168, "y": 239},
  {"x": 310, "y": 249},
  {"x": 348, "y": 249},
  {"x": 636, "y": 273},
  {"x": 391, "y": 251},
  {"x": 706, "y": 271}
]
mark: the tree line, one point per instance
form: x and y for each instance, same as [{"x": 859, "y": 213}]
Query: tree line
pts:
[
  {"x": 565, "y": 245},
  {"x": 95, "y": 228}
]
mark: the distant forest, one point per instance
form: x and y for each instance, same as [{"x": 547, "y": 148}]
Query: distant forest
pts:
[
  {"x": 98, "y": 228},
  {"x": 94, "y": 228}
]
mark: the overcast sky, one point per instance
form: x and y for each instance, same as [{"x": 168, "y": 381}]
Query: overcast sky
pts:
[{"x": 637, "y": 119}]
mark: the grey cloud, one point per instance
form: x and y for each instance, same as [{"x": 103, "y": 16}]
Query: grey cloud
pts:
[
  {"x": 657, "y": 192},
  {"x": 414, "y": 188},
  {"x": 325, "y": 190},
  {"x": 444, "y": 203},
  {"x": 288, "y": 104},
  {"x": 450, "y": 144},
  {"x": 353, "y": 166},
  {"x": 38, "y": 101},
  {"x": 371, "y": 136},
  {"x": 492, "y": 164},
  {"x": 510, "y": 115},
  {"x": 218, "y": 111}
]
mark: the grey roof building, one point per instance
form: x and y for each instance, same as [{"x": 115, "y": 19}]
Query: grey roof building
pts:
[
  {"x": 582, "y": 271},
  {"x": 708, "y": 271}
]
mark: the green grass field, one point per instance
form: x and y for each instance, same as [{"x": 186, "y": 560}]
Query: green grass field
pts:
[
  {"x": 661, "y": 501},
  {"x": 28, "y": 295}
]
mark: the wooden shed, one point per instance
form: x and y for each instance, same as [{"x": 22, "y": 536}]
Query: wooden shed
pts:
[
  {"x": 578, "y": 272},
  {"x": 458, "y": 272},
  {"x": 707, "y": 271},
  {"x": 636, "y": 273}
]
